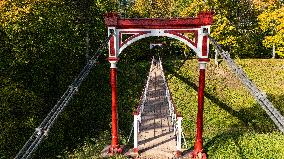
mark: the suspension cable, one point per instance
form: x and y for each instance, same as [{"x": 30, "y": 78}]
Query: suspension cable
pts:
[
  {"x": 261, "y": 98},
  {"x": 42, "y": 131}
]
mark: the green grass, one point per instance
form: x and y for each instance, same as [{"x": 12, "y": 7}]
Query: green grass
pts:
[{"x": 235, "y": 126}]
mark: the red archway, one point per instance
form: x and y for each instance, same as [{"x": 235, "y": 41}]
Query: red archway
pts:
[{"x": 136, "y": 29}]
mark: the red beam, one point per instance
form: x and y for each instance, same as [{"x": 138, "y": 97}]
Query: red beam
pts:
[{"x": 202, "y": 19}]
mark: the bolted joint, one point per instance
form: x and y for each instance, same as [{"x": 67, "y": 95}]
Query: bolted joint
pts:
[
  {"x": 205, "y": 31},
  {"x": 45, "y": 132},
  {"x": 38, "y": 131},
  {"x": 75, "y": 88},
  {"x": 92, "y": 62},
  {"x": 111, "y": 31},
  {"x": 41, "y": 131}
]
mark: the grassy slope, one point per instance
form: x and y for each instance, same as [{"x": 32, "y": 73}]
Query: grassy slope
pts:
[{"x": 235, "y": 126}]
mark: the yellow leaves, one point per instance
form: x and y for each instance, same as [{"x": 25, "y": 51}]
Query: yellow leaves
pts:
[
  {"x": 161, "y": 8},
  {"x": 193, "y": 8},
  {"x": 265, "y": 4},
  {"x": 21, "y": 10},
  {"x": 270, "y": 19},
  {"x": 34, "y": 1},
  {"x": 273, "y": 23},
  {"x": 153, "y": 8},
  {"x": 221, "y": 25},
  {"x": 280, "y": 51},
  {"x": 2, "y": 4},
  {"x": 140, "y": 7},
  {"x": 13, "y": 12}
]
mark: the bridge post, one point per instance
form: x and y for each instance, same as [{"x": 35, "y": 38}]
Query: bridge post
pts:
[
  {"x": 114, "y": 148},
  {"x": 179, "y": 133},
  {"x": 135, "y": 136},
  {"x": 198, "y": 147}
]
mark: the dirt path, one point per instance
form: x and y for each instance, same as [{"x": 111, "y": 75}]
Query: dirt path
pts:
[{"x": 156, "y": 139}]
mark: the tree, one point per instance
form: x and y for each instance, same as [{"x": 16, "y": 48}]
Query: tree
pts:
[
  {"x": 235, "y": 24},
  {"x": 42, "y": 48},
  {"x": 272, "y": 24},
  {"x": 153, "y": 8}
]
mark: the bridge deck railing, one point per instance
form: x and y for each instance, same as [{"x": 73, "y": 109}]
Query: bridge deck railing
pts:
[
  {"x": 140, "y": 109},
  {"x": 176, "y": 117}
]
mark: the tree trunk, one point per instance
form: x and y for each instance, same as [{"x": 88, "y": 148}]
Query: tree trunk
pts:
[
  {"x": 273, "y": 51},
  {"x": 216, "y": 57}
]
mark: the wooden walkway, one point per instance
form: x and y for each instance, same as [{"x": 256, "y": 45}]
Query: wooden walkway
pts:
[{"x": 156, "y": 138}]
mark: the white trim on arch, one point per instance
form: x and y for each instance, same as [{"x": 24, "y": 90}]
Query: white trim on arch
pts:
[{"x": 161, "y": 33}]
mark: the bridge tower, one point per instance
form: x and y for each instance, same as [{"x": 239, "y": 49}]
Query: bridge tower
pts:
[{"x": 176, "y": 28}]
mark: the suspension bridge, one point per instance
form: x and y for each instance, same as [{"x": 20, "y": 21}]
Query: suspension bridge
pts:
[{"x": 157, "y": 126}]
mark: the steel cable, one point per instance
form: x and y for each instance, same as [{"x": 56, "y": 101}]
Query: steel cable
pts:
[
  {"x": 45, "y": 128},
  {"x": 34, "y": 146},
  {"x": 271, "y": 111},
  {"x": 41, "y": 132}
]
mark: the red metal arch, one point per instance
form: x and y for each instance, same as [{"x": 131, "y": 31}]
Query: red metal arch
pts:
[
  {"x": 137, "y": 29},
  {"x": 173, "y": 28}
]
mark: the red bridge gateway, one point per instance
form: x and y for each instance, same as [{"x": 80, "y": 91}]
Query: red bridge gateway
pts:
[{"x": 126, "y": 31}]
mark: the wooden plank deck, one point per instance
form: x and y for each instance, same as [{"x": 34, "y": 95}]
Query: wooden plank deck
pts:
[{"x": 156, "y": 139}]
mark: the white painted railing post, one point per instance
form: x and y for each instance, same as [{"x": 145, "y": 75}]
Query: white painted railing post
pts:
[
  {"x": 135, "y": 136},
  {"x": 175, "y": 123},
  {"x": 179, "y": 134},
  {"x": 176, "y": 118},
  {"x": 137, "y": 114}
]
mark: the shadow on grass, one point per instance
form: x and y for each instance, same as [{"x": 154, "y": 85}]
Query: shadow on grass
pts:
[
  {"x": 221, "y": 139},
  {"x": 278, "y": 102},
  {"x": 253, "y": 117}
]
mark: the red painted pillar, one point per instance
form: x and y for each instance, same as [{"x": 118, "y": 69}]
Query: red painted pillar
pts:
[
  {"x": 198, "y": 147},
  {"x": 199, "y": 123},
  {"x": 114, "y": 125}
]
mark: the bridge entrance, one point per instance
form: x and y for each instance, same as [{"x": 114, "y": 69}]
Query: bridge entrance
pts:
[{"x": 123, "y": 32}]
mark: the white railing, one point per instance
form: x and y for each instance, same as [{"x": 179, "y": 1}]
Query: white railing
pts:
[
  {"x": 175, "y": 116},
  {"x": 140, "y": 109}
]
